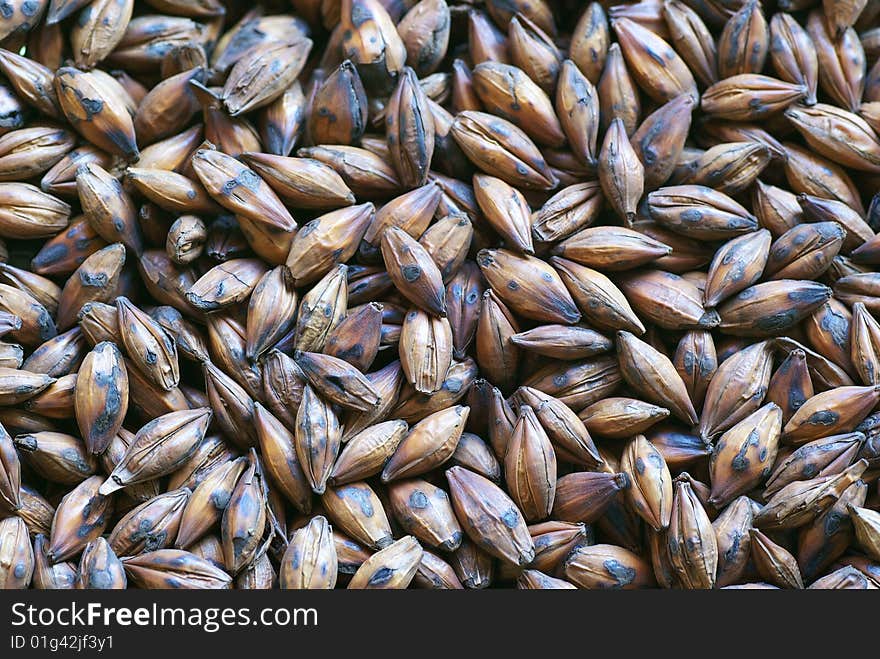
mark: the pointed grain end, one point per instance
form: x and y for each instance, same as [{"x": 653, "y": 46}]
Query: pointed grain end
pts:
[{"x": 110, "y": 486}]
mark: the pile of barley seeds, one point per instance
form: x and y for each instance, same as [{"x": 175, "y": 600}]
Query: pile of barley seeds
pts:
[{"x": 383, "y": 294}]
